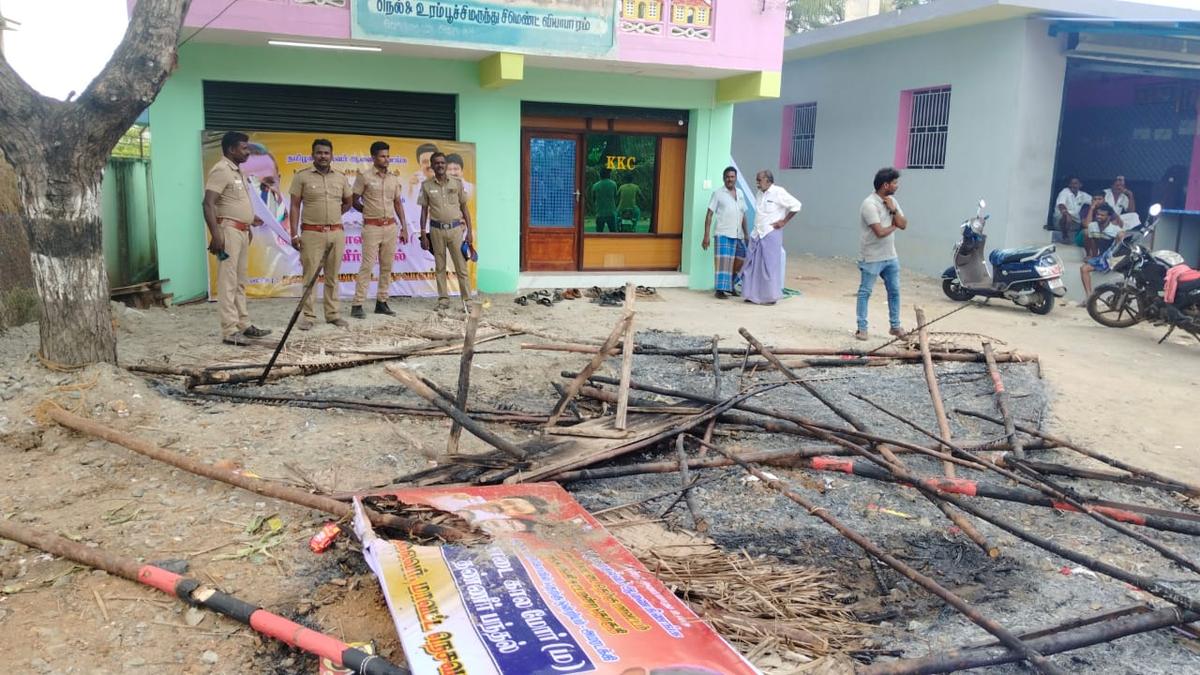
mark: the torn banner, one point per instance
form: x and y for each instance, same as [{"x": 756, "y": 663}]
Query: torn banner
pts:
[{"x": 552, "y": 593}]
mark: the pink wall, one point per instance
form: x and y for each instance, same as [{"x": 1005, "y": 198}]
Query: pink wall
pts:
[{"x": 745, "y": 37}]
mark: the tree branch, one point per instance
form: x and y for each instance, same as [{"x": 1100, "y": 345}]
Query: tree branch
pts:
[
  {"x": 22, "y": 107},
  {"x": 134, "y": 75}
]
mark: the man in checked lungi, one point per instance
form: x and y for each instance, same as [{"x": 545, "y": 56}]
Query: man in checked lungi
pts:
[{"x": 729, "y": 207}]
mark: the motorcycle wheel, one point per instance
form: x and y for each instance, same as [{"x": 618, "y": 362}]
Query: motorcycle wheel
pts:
[
  {"x": 1045, "y": 300},
  {"x": 1113, "y": 306},
  {"x": 955, "y": 291}
]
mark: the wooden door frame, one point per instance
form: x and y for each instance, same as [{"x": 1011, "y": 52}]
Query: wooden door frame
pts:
[{"x": 528, "y": 133}]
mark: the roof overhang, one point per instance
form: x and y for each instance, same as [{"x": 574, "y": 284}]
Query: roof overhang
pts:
[{"x": 951, "y": 14}]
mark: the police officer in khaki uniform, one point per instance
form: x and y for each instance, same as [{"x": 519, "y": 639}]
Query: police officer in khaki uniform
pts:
[
  {"x": 445, "y": 225},
  {"x": 228, "y": 214},
  {"x": 320, "y": 195},
  {"x": 377, "y": 197}
]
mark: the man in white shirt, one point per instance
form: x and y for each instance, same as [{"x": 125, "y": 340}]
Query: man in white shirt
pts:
[
  {"x": 729, "y": 207},
  {"x": 1069, "y": 206},
  {"x": 879, "y": 218},
  {"x": 1119, "y": 197},
  {"x": 762, "y": 275}
]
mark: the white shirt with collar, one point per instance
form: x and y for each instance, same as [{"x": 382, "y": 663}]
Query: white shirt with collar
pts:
[
  {"x": 1121, "y": 204},
  {"x": 1073, "y": 202},
  {"x": 727, "y": 211},
  {"x": 770, "y": 207}
]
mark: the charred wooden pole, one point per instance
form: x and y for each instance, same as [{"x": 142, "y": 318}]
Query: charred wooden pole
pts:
[
  {"x": 1126, "y": 513},
  {"x": 1052, "y": 469},
  {"x": 295, "y": 315},
  {"x": 255, "y": 485},
  {"x": 935, "y": 392},
  {"x": 382, "y": 408},
  {"x": 1017, "y": 445},
  {"x": 464, "y": 375},
  {"x": 791, "y": 458},
  {"x": 414, "y": 384},
  {"x": 592, "y": 367},
  {"x": 685, "y": 476},
  {"x": 1052, "y": 491},
  {"x": 1075, "y": 638},
  {"x": 957, "y": 518},
  {"x": 837, "y": 354},
  {"x": 626, "y": 359},
  {"x": 770, "y": 356},
  {"x": 1190, "y": 488},
  {"x": 1108, "y": 518},
  {"x": 197, "y": 594},
  {"x": 1037, "y": 660}
]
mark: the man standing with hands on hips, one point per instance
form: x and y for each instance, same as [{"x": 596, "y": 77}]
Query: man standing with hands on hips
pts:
[
  {"x": 445, "y": 225},
  {"x": 879, "y": 217},
  {"x": 762, "y": 275},
  {"x": 377, "y": 197},
  {"x": 229, "y": 216},
  {"x": 320, "y": 195}
]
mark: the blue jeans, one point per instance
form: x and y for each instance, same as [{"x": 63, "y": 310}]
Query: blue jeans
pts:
[{"x": 890, "y": 271}]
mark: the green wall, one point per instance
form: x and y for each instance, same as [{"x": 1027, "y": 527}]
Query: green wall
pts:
[
  {"x": 139, "y": 263},
  {"x": 488, "y": 118}
]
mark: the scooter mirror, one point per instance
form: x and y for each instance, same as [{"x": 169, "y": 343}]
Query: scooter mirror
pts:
[
  {"x": 982, "y": 204},
  {"x": 1155, "y": 209}
]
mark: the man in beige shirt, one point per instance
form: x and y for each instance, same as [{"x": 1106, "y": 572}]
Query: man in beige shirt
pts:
[
  {"x": 445, "y": 225},
  {"x": 377, "y": 197},
  {"x": 228, "y": 214},
  {"x": 320, "y": 195}
]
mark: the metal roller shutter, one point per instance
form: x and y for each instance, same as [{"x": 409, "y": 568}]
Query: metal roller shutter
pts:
[{"x": 274, "y": 107}]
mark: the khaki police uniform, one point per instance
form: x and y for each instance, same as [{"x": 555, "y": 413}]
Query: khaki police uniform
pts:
[
  {"x": 378, "y": 190},
  {"x": 234, "y": 217},
  {"x": 446, "y": 200},
  {"x": 321, "y": 196}
]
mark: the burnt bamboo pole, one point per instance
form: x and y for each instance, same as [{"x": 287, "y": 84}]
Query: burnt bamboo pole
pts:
[
  {"x": 591, "y": 367},
  {"x": 414, "y": 384},
  {"x": 1076, "y": 638},
  {"x": 197, "y": 594},
  {"x": 897, "y": 354},
  {"x": 1096, "y": 474},
  {"x": 1191, "y": 488},
  {"x": 957, "y": 518},
  {"x": 906, "y": 336},
  {"x": 308, "y": 286},
  {"x": 1018, "y": 447},
  {"x": 1035, "y": 659},
  {"x": 382, "y": 408},
  {"x": 770, "y": 356},
  {"x": 685, "y": 477},
  {"x": 935, "y": 392},
  {"x": 255, "y": 485},
  {"x": 464, "y": 375},
  {"x": 782, "y": 458},
  {"x": 1107, "y": 517},
  {"x": 626, "y": 360},
  {"x": 802, "y": 426},
  {"x": 1127, "y": 513},
  {"x": 1145, "y": 583}
]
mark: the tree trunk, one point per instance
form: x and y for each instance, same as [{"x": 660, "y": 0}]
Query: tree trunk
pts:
[
  {"x": 58, "y": 151},
  {"x": 67, "y": 256}
]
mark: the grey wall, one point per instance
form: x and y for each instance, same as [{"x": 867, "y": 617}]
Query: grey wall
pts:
[{"x": 1007, "y": 91}]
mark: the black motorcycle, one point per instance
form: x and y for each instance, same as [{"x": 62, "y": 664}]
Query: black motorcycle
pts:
[{"x": 1138, "y": 296}]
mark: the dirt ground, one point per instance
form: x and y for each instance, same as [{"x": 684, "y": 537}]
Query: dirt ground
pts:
[{"x": 1114, "y": 390}]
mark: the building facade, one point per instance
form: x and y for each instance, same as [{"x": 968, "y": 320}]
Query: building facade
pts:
[
  {"x": 995, "y": 99},
  {"x": 551, "y": 93}
]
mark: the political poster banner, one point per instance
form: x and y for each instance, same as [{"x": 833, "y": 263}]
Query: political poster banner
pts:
[
  {"x": 275, "y": 157},
  {"x": 552, "y": 592}
]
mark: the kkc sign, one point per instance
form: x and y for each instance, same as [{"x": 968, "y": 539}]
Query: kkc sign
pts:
[{"x": 562, "y": 27}]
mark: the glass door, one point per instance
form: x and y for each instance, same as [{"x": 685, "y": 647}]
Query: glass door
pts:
[{"x": 550, "y": 221}]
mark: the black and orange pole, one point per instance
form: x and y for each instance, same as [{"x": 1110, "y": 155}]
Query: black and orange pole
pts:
[{"x": 195, "y": 593}]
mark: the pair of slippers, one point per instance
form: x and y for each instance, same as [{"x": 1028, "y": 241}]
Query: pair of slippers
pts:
[{"x": 543, "y": 297}]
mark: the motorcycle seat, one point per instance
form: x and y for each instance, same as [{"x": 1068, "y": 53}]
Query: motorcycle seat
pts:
[{"x": 1006, "y": 256}]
